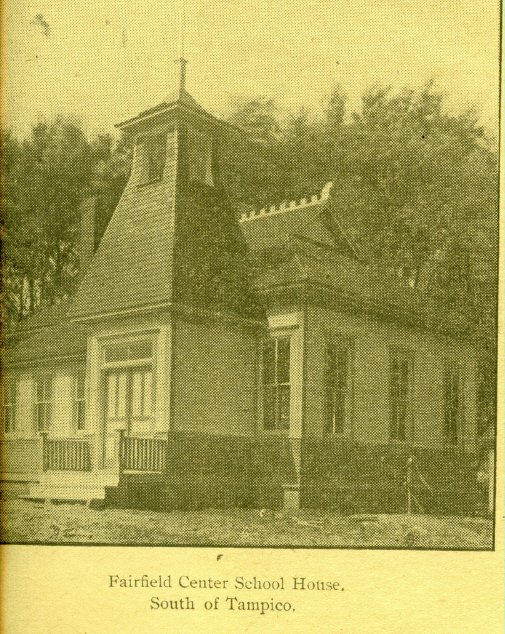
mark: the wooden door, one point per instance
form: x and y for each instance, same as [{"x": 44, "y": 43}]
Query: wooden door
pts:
[{"x": 128, "y": 406}]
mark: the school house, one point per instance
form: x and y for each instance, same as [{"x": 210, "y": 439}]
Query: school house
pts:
[{"x": 216, "y": 357}]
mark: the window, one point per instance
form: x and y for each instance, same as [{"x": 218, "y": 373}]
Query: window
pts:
[
  {"x": 451, "y": 404},
  {"x": 142, "y": 393},
  {"x": 400, "y": 386},
  {"x": 9, "y": 405},
  {"x": 486, "y": 398},
  {"x": 79, "y": 401},
  {"x": 200, "y": 157},
  {"x": 43, "y": 397},
  {"x": 129, "y": 394},
  {"x": 116, "y": 395},
  {"x": 336, "y": 389},
  {"x": 154, "y": 152},
  {"x": 276, "y": 392},
  {"x": 129, "y": 384},
  {"x": 128, "y": 351}
]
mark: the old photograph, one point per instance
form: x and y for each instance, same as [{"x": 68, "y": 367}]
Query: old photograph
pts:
[{"x": 250, "y": 273}]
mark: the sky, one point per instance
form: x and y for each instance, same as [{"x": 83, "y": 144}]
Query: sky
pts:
[{"x": 106, "y": 60}]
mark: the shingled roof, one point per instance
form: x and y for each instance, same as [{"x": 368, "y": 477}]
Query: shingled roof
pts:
[
  {"x": 47, "y": 335},
  {"x": 302, "y": 244},
  {"x": 132, "y": 267},
  {"x": 308, "y": 218},
  {"x": 178, "y": 97}
]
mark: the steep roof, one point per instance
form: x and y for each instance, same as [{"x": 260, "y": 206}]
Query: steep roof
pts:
[{"x": 132, "y": 267}]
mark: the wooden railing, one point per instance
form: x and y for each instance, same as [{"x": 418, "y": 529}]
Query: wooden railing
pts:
[
  {"x": 142, "y": 454},
  {"x": 65, "y": 455}
]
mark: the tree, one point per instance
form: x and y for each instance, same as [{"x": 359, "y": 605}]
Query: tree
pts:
[
  {"x": 416, "y": 187},
  {"x": 46, "y": 177}
]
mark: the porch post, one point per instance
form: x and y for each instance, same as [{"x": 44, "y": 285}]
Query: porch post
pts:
[
  {"x": 43, "y": 437},
  {"x": 120, "y": 450},
  {"x": 297, "y": 362}
]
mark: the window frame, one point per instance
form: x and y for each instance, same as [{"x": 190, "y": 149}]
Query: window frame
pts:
[
  {"x": 79, "y": 400},
  {"x": 9, "y": 404},
  {"x": 143, "y": 371},
  {"x": 344, "y": 347},
  {"x": 146, "y": 146},
  {"x": 46, "y": 403},
  {"x": 404, "y": 356},
  {"x": 455, "y": 435},
  {"x": 128, "y": 366},
  {"x": 207, "y": 152},
  {"x": 128, "y": 361},
  {"x": 276, "y": 387}
]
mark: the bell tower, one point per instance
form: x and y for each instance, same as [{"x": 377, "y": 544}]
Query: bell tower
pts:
[{"x": 173, "y": 237}]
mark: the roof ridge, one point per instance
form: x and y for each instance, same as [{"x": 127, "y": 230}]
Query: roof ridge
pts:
[{"x": 289, "y": 206}]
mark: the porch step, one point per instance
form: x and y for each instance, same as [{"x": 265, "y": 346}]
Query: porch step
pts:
[
  {"x": 73, "y": 485},
  {"x": 38, "y": 492}
]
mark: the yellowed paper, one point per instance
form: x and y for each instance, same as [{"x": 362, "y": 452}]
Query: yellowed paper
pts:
[{"x": 174, "y": 460}]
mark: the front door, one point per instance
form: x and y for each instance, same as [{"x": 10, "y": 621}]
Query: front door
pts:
[{"x": 128, "y": 406}]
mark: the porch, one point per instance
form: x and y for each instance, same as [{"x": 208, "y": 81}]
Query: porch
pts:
[
  {"x": 73, "y": 468},
  {"x": 59, "y": 468},
  {"x": 173, "y": 470}
]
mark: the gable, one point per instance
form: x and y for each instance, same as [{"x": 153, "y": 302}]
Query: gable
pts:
[{"x": 309, "y": 220}]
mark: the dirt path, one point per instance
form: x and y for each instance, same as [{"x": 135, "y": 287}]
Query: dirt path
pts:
[{"x": 31, "y": 522}]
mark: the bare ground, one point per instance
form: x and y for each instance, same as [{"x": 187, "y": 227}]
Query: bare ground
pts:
[{"x": 34, "y": 522}]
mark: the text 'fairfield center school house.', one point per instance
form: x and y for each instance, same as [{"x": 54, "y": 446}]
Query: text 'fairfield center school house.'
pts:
[{"x": 181, "y": 375}]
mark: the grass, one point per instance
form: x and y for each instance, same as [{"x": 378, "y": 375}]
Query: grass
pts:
[{"x": 31, "y": 522}]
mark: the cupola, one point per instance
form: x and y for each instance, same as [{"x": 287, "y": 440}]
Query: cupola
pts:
[{"x": 174, "y": 237}]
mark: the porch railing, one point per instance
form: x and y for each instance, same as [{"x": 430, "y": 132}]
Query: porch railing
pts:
[
  {"x": 142, "y": 454},
  {"x": 65, "y": 455}
]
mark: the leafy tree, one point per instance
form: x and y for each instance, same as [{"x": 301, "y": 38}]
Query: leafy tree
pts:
[
  {"x": 46, "y": 177},
  {"x": 416, "y": 187}
]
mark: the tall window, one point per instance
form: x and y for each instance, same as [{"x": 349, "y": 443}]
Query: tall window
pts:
[
  {"x": 130, "y": 394},
  {"x": 452, "y": 404},
  {"x": 9, "y": 405},
  {"x": 400, "y": 387},
  {"x": 79, "y": 401},
  {"x": 129, "y": 385},
  {"x": 142, "y": 393},
  {"x": 154, "y": 152},
  {"x": 117, "y": 383},
  {"x": 336, "y": 388},
  {"x": 276, "y": 390},
  {"x": 43, "y": 398},
  {"x": 486, "y": 399},
  {"x": 200, "y": 157}
]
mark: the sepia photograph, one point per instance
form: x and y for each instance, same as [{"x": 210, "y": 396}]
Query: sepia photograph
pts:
[{"x": 250, "y": 273}]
